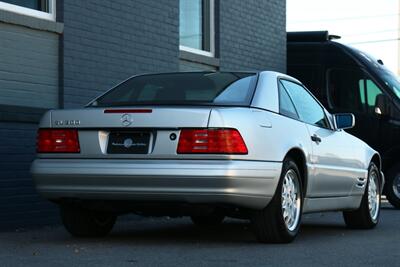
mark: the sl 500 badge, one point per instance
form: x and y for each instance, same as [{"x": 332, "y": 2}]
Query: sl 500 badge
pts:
[{"x": 67, "y": 122}]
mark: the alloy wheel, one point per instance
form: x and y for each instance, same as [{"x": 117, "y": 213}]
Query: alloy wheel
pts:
[
  {"x": 291, "y": 200},
  {"x": 373, "y": 195}
]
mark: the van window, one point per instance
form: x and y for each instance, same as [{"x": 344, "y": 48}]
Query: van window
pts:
[
  {"x": 346, "y": 90},
  {"x": 392, "y": 81},
  {"x": 372, "y": 92},
  {"x": 308, "y": 75}
]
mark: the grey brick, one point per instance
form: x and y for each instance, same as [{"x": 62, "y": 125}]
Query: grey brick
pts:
[{"x": 253, "y": 35}]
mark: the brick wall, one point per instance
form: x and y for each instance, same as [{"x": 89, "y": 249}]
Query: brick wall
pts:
[
  {"x": 28, "y": 74},
  {"x": 28, "y": 85},
  {"x": 20, "y": 205},
  {"x": 253, "y": 35},
  {"x": 107, "y": 41}
]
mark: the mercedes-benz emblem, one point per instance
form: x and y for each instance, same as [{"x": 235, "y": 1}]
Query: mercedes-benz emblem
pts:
[{"x": 126, "y": 120}]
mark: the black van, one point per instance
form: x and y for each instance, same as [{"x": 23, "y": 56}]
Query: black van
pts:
[{"x": 348, "y": 80}]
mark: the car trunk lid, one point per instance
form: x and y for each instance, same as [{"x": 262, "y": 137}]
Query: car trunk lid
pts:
[{"x": 131, "y": 118}]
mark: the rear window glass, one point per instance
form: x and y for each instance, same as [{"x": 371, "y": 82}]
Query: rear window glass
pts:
[{"x": 198, "y": 88}]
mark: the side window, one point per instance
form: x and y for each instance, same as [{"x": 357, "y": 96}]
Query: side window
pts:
[
  {"x": 308, "y": 108},
  {"x": 372, "y": 92},
  {"x": 286, "y": 106},
  {"x": 346, "y": 90}
]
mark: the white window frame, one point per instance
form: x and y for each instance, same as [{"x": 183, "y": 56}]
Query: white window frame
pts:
[
  {"x": 31, "y": 12},
  {"x": 212, "y": 36}
]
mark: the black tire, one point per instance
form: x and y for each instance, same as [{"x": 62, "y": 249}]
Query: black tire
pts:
[
  {"x": 269, "y": 224},
  {"x": 210, "y": 220},
  {"x": 86, "y": 223},
  {"x": 392, "y": 187},
  {"x": 362, "y": 218}
]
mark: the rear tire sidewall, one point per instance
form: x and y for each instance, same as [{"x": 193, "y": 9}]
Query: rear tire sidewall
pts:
[{"x": 269, "y": 224}]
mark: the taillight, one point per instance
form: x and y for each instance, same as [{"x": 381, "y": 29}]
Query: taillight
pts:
[
  {"x": 58, "y": 141},
  {"x": 211, "y": 141}
]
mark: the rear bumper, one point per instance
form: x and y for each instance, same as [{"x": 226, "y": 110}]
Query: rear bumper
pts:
[{"x": 249, "y": 184}]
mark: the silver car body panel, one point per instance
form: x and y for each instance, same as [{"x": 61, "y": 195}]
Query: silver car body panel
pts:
[
  {"x": 248, "y": 184},
  {"x": 336, "y": 168}
]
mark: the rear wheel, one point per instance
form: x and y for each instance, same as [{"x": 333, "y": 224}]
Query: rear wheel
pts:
[
  {"x": 86, "y": 223},
  {"x": 367, "y": 215},
  {"x": 393, "y": 187},
  {"x": 280, "y": 221}
]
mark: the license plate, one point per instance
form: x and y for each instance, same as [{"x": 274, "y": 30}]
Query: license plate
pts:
[{"x": 128, "y": 143}]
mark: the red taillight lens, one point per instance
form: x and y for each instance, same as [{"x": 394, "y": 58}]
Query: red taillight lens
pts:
[
  {"x": 58, "y": 141},
  {"x": 211, "y": 141}
]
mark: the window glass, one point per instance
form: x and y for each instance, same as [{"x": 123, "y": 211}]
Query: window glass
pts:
[
  {"x": 361, "y": 85},
  {"x": 372, "y": 92},
  {"x": 307, "y": 107},
  {"x": 392, "y": 81},
  {"x": 196, "y": 88},
  {"x": 195, "y": 24},
  {"x": 286, "y": 106},
  {"x": 41, "y": 5},
  {"x": 346, "y": 90}
]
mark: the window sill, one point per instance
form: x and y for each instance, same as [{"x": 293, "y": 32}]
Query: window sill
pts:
[
  {"x": 197, "y": 58},
  {"x": 10, "y": 113},
  {"x": 31, "y": 22}
]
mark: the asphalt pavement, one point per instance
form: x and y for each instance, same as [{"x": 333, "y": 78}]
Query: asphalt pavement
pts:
[{"x": 323, "y": 241}]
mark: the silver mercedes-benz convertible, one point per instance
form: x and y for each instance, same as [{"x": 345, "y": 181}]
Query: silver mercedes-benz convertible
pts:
[{"x": 250, "y": 145}]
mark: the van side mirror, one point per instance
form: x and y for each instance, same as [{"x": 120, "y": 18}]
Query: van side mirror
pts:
[
  {"x": 344, "y": 121},
  {"x": 382, "y": 105}
]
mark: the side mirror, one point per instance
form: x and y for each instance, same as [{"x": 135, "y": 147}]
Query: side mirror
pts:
[
  {"x": 382, "y": 105},
  {"x": 344, "y": 121}
]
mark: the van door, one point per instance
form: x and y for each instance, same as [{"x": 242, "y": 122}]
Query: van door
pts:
[{"x": 351, "y": 90}]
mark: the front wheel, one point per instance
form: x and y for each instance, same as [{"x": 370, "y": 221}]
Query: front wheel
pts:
[
  {"x": 86, "y": 223},
  {"x": 393, "y": 186},
  {"x": 367, "y": 215},
  {"x": 280, "y": 221}
]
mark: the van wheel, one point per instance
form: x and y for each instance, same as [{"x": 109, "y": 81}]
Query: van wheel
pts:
[
  {"x": 86, "y": 223},
  {"x": 392, "y": 187},
  {"x": 367, "y": 215},
  {"x": 280, "y": 221}
]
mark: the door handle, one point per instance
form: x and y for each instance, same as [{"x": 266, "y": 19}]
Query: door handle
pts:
[{"x": 315, "y": 138}]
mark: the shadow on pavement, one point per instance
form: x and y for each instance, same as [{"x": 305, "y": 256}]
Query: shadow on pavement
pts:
[{"x": 182, "y": 231}]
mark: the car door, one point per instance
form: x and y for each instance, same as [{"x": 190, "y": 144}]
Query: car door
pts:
[{"x": 331, "y": 166}]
